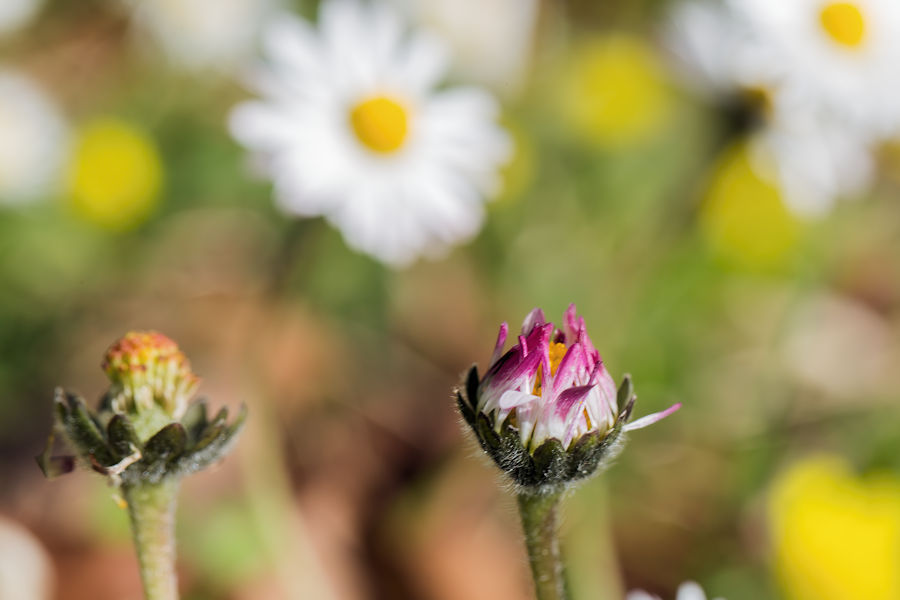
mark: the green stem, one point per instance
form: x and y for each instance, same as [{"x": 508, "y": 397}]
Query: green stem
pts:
[
  {"x": 152, "y": 511},
  {"x": 540, "y": 521}
]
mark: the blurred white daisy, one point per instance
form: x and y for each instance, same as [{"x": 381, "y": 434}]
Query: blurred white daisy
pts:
[
  {"x": 16, "y": 14},
  {"x": 494, "y": 49},
  {"x": 810, "y": 142},
  {"x": 351, "y": 127},
  {"x": 686, "y": 591},
  {"x": 203, "y": 34},
  {"x": 33, "y": 143},
  {"x": 842, "y": 56}
]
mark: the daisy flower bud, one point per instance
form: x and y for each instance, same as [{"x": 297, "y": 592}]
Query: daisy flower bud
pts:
[
  {"x": 146, "y": 429},
  {"x": 547, "y": 410},
  {"x": 147, "y": 369}
]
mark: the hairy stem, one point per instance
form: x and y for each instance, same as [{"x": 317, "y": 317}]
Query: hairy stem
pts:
[
  {"x": 540, "y": 521},
  {"x": 152, "y": 511}
]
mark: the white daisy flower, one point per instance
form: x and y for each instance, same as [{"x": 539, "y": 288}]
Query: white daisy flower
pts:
[
  {"x": 203, "y": 34},
  {"x": 16, "y": 14},
  {"x": 686, "y": 591},
  {"x": 840, "y": 55},
  {"x": 33, "y": 141},
  {"x": 352, "y": 128}
]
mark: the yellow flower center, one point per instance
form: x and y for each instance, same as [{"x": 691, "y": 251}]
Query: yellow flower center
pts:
[
  {"x": 557, "y": 352},
  {"x": 380, "y": 123},
  {"x": 844, "y": 23}
]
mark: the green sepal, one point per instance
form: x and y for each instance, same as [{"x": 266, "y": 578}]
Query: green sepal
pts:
[
  {"x": 214, "y": 442},
  {"x": 82, "y": 429},
  {"x": 122, "y": 438},
  {"x": 625, "y": 398}
]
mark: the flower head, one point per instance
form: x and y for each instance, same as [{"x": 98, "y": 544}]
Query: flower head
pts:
[
  {"x": 145, "y": 430},
  {"x": 352, "y": 127},
  {"x": 146, "y": 369},
  {"x": 547, "y": 410}
]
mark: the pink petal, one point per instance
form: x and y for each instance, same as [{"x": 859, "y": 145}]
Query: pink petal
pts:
[
  {"x": 534, "y": 319},
  {"x": 571, "y": 399},
  {"x": 501, "y": 341}
]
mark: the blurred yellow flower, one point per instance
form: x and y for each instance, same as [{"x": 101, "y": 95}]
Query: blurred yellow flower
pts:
[
  {"x": 115, "y": 175},
  {"x": 835, "y": 536},
  {"x": 614, "y": 90},
  {"x": 744, "y": 217}
]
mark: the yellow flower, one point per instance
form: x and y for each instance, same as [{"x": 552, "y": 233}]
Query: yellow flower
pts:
[
  {"x": 115, "y": 175},
  {"x": 835, "y": 536},
  {"x": 744, "y": 217},
  {"x": 614, "y": 92}
]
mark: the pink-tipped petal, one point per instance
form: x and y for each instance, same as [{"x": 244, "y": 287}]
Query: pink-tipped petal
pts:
[
  {"x": 501, "y": 341},
  {"x": 523, "y": 345},
  {"x": 570, "y": 320},
  {"x": 534, "y": 319},
  {"x": 651, "y": 419},
  {"x": 570, "y": 400}
]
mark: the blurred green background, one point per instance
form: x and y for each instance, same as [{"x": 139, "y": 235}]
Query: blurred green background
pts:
[{"x": 354, "y": 479}]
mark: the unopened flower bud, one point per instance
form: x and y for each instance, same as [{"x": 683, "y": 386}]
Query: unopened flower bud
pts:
[
  {"x": 145, "y": 430},
  {"x": 148, "y": 370},
  {"x": 547, "y": 410}
]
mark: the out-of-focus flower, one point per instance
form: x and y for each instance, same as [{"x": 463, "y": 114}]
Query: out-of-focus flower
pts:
[
  {"x": 203, "y": 34},
  {"x": 547, "y": 410},
  {"x": 352, "y": 128},
  {"x": 686, "y": 591},
  {"x": 835, "y": 536},
  {"x": 26, "y": 569},
  {"x": 33, "y": 140},
  {"x": 837, "y": 56},
  {"x": 493, "y": 49},
  {"x": 614, "y": 91},
  {"x": 818, "y": 152},
  {"x": 744, "y": 217},
  {"x": 16, "y": 14},
  {"x": 115, "y": 174}
]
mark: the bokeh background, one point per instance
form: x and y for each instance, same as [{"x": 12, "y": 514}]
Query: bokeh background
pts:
[{"x": 628, "y": 193}]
